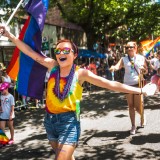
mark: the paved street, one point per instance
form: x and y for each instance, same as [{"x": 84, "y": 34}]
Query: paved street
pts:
[{"x": 104, "y": 136}]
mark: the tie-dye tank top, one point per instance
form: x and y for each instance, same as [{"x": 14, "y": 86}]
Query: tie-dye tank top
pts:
[{"x": 53, "y": 103}]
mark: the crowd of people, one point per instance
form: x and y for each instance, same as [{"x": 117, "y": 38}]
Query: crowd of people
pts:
[{"x": 102, "y": 66}]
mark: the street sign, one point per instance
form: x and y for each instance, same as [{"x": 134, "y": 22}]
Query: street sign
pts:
[
  {"x": 45, "y": 46},
  {"x": 45, "y": 43}
]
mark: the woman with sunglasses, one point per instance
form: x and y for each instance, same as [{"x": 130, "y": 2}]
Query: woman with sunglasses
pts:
[
  {"x": 64, "y": 92},
  {"x": 134, "y": 64}
]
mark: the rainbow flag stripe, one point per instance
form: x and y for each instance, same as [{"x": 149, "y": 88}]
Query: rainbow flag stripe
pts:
[
  {"x": 28, "y": 73},
  {"x": 157, "y": 44},
  {"x": 148, "y": 45},
  {"x": 3, "y": 138}
]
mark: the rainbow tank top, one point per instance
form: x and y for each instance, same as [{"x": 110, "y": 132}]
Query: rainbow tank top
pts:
[{"x": 53, "y": 103}]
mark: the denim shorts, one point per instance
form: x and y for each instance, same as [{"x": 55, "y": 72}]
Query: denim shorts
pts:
[
  {"x": 6, "y": 119},
  {"x": 62, "y": 128}
]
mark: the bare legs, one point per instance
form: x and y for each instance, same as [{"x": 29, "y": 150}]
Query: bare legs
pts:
[
  {"x": 2, "y": 125},
  {"x": 10, "y": 125},
  {"x": 135, "y": 103},
  {"x": 11, "y": 128},
  {"x": 63, "y": 152}
]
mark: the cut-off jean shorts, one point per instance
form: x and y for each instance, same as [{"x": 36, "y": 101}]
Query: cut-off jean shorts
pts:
[{"x": 62, "y": 128}]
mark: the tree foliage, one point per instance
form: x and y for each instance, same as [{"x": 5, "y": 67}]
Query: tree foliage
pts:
[
  {"x": 120, "y": 19},
  {"x": 132, "y": 19}
]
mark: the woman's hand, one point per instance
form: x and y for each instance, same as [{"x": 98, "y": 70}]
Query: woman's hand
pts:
[
  {"x": 112, "y": 69},
  {"x": 142, "y": 70},
  {"x": 4, "y": 31}
]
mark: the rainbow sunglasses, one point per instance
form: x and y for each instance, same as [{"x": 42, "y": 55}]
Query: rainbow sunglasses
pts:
[{"x": 65, "y": 50}]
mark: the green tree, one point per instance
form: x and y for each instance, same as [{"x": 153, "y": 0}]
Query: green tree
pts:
[
  {"x": 120, "y": 19},
  {"x": 135, "y": 19}
]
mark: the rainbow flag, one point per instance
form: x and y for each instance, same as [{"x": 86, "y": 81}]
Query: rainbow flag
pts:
[
  {"x": 157, "y": 44},
  {"x": 148, "y": 45},
  {"x": 3, "y": 138},
  {"x": 28, "y": 73}
]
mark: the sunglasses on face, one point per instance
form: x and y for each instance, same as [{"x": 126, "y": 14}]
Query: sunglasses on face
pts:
[
  {"x": 65, "y": 50},
  {"x": 130, "y": 47}
]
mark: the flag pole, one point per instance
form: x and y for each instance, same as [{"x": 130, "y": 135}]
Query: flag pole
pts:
[
  {"x": 15, "y": 10},
  {"x": 141, "y": 83}
]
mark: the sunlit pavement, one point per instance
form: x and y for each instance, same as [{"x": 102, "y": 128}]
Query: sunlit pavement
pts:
[{"x": 105, "y": 129}]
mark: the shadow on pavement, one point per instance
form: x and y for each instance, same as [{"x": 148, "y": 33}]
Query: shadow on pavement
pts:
[
  {"x": 102, "y": 102},
  {"x": 95, "y": 145},
  {"x": 151, "y": 138},
  {"x": 108, "y": 145}
]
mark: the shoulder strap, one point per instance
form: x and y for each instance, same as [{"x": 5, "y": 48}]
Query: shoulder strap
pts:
[{"x": 134, "y": 65}]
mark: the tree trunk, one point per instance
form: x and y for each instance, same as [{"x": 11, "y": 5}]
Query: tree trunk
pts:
[{"x": 91, "y": 40}]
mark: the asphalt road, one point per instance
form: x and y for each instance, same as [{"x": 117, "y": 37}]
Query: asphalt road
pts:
[{"x": 105, "y": 129}]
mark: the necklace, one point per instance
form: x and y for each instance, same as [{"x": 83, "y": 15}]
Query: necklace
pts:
[
  {"x": 132, "y": 61},
  {"x": 67, "y": 86}
]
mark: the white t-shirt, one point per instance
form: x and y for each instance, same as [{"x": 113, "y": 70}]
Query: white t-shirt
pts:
[
  {"x": 131, "y": 75},
  {"x": 153, "y": 60},
  {"x": 157, "y": 64},
  {"x": 7, "y": 101},
  {"x": 7, "y": 79}
]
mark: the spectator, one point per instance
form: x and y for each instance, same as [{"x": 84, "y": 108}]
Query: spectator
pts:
[
  {"x": 154, "y": 63},
  {"x": 7, "y": 115},
  {"x": 154, "y": 85},
  {"x": 110, "y": 59},
  {"x": 1, "y": 81},
  {"x": 101, "y": 69},
  {"x": 1, "y": 78},
  {"x": 6, "y": 78},
  {"x": 155, "y": 79},
  {"x": 92, "y": 67}
]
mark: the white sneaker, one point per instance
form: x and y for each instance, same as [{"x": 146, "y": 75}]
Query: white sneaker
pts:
[{"x": 133, "y": 130}]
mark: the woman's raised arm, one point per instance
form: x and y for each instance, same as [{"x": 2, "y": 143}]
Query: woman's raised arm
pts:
[{"x": 45, "y": 61}]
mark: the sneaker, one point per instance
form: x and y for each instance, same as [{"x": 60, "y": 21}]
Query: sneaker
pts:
[
  {"x": 11, "y": 141},
  {"x": 144, "y": 121},
  {"x": 133, "y": 130}
]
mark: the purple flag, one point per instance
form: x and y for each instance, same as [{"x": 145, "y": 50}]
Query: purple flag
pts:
[{"x": 31, "y": 75}]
